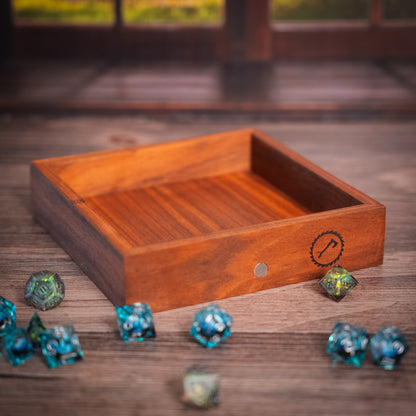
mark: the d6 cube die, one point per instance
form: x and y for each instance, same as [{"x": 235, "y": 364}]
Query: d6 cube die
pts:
[
  {"x": 348, "y": 344},
  {"x": 388, "y": 347},
  {"x": 60, "y": 346},
  {"x": 135, "y": 322},
  {"x": 7, "y": 316}
]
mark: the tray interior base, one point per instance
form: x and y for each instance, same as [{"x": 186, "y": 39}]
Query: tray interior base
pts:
[{"x": 193, "y": 207}]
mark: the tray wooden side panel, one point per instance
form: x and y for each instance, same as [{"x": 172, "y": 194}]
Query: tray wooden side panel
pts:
[
  {"x": 93, "y": 253},
  {"x": 314, "y": 188},
  {"x": 144, "y": 166},
  {"x": 203, "y": 270}
]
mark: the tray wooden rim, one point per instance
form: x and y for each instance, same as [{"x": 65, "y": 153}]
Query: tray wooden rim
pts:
[{"x": 44, "y": 166}]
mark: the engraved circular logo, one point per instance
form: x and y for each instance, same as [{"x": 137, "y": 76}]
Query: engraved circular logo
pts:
[{"x": 327, "y": 248}]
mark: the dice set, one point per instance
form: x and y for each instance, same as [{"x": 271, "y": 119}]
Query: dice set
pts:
[{"x": 58, "y": 346}]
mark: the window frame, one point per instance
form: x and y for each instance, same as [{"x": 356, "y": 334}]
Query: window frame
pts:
[{"x": 247, "y": 34}]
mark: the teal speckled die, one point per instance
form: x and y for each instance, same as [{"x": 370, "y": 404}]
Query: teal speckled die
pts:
[
  {"x": 348, "y": 344},
  {"x": 135, "y": 322},
  {"x": 16, "y": 347},
  {"x": 211, "y": 325},
  {"x": 7, "y": 317},
  {"x": 60, "y": 346},
  {"x": 388, "y": 347}
]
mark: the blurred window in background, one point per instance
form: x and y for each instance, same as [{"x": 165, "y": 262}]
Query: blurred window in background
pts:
[
  {"x": 318, "y": 10},
  {"x": 133, "y": 11},
  {"x": 199, "y": 12},
  {"x": 173, "y": 11},
  {"x": 64, "y": 11},
  {"x": 399, "y": 9}
]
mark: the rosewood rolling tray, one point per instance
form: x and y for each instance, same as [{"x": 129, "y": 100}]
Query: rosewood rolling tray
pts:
[{"x": 197, "y": 220}]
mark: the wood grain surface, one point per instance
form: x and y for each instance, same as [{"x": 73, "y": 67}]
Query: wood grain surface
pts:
[{"x": 275, "y": 360}]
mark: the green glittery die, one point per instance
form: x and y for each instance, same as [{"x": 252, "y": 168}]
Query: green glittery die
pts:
[
  {"x": 34, "y": 330},
  {"x": 200, "y": 388},
  {"x": 44, "y": 290},
  {"x": 338, "y": 282}
]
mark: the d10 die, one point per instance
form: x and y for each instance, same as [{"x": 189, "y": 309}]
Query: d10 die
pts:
[
  {"x": 135, "y": 322},
  {"x": 60, "y": 346}
]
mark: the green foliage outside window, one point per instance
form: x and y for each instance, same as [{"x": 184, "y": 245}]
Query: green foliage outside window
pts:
[
  {"x": 318, "y": 9},
  {"x": 198, "y": 11},
  {"x": 134, "y": 11}
]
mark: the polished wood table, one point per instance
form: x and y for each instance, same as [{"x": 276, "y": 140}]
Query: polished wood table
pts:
[{"x": 275, "y": 362}]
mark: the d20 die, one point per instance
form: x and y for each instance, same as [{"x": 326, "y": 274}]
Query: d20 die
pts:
[
  {"x": 60, "y": 346},
  {"x": 135, "y": 322},
  {"x": 211, "y": 325},
  {"x": 348, "y": 344}
]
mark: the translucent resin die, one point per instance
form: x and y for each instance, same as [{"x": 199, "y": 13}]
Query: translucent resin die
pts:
[
  {"x": 135, "y": 322},
  {"x": 338, "y": 282},
  {"x": 348, "y": 344},
  {"x": 60, "y": 346},
  {"x": 44, "y": 290},
  {"x": 200, "y": 388},
  {"x": 7, "y": 316},
  {"x": 211, "y": 325},
  {"x": 388, "y": 347},
  {"x": 16, "y": 347}
]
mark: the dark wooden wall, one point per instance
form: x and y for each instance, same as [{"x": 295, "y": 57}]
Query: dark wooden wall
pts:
[{"x": 6, "y": 29}]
